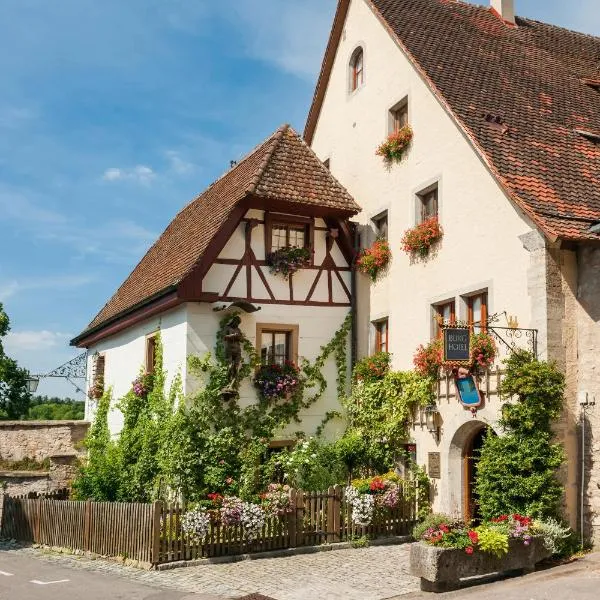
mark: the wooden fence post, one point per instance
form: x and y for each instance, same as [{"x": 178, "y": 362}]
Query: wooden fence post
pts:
[
  {"x": 87, "y": 525},
  {"x": 292, "y": 517},
  {"x": 299, "y": 518},
  {"x": 337, "y": 513},
  {"x": 156, "y": 514}
]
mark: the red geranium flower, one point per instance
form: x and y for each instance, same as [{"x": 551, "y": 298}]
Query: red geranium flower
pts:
[
  {"x": 473, "y": 536},
  {"x": 444, "y": 528},
  {"x": 469, "y": 549}
]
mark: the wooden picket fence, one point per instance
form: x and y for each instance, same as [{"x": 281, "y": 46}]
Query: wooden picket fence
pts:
[{"x": 153, "y": 533}]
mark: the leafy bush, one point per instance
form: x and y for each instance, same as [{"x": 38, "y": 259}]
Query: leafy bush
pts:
[
  {"x": 557, "y": 537},
  {"x": 371, "y": 368},
  {"x": 517, "y": 470}
]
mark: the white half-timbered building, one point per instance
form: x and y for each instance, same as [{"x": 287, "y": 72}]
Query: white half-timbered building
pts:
[{"x": 212, "y": 258}]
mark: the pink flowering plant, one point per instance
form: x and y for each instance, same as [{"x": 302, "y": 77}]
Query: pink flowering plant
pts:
[
  {"x": 277, "y": 382},
  {"x": 286, "y": 261},
  {"x": 428, "y": 359},
  {"x": 395, "y": 145},
  {"x": 374, "y": 260},
  {"x": 483, "y": 350},
  {"x": 373, "y": 494},
  {"x": 142, "y": 385},
  {"x": 421, "y": 238},
  {"x": 276, "y": 501}
]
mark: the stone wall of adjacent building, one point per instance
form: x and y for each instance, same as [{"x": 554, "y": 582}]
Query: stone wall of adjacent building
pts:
[
  {"x": 58, "y": 443},
  {"x": 41, "y": 439}
]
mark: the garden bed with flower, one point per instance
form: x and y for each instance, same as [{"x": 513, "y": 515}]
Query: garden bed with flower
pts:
[
  {"x": 448, "y": 550},
  {"x": 281, "y": 517}
]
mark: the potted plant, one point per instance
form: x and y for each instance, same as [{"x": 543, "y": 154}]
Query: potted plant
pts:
[
  {"x": 428, "y": 359},
  {"x": 372, "y": 261},
  {"x": 483, "y": 350},
  {"x": 277, "y": 382},
  {"x": 286, "y": 261},
  {"x": 449, "y": 550},
  {"x": 421, "y": 238},
  {"x": 395, "y": 145}
]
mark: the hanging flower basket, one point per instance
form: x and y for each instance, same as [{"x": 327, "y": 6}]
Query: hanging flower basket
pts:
[
  {"x": 286, "y": 261},
  {"x": 142, "y": 385},
  {"x": 483, "y": 350},
  {"x": 419, "y": 239},
  {"x": 428, "y": 359},
  {"x": 396, "y": 144},
  {"x": 373, "y": 261},
  {"x": 96, "y": 391},
  {"x": 276, "y": 382}
]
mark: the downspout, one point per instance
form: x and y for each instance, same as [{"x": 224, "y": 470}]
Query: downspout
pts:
[{"x": 353, "y": 286}]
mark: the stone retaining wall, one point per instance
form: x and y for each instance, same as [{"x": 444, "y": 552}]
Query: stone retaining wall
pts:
[{"x": 41, "y": 439}]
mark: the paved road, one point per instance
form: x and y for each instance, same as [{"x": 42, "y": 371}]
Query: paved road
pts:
[
  {"x": 26, "y": 578},
  {"x": 373, "y": 573}
]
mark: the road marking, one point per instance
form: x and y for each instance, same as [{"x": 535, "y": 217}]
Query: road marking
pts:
[
  {"x": 48, "y": 582},
  {"x": 6, "y": 574}
]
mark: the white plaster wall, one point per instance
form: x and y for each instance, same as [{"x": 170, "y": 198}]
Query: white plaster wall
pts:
[
  {"x": 125, "y": 354},
  {"x": 481, "y": 247},
  {"x": 317, "y": 326}
]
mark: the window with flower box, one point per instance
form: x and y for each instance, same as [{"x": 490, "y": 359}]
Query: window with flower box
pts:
[
  {"x": 277, "y": 344},
  {"x": 444, "y": 314},
  {"x": 381, "y": 335},
  {"x": 398, "y": 116},
  {"x": 285, "y": 231},
  {"x": 380, "y": 223},
  {"x": 427, "y": 204}
]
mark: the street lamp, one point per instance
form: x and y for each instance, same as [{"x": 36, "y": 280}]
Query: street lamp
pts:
[
  {"x": 32, "y": 384},
  {"x": 432, "y": 421}
]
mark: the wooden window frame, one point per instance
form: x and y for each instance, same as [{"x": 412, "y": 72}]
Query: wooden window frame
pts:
[
  {"x": 394, "y": 123},
  {"x": 291, "y": 330},
  {"x": 439, "y": 314},
  {"x": 150, "y": 353},
  {"x": 274, "y": 219},
  {"x": 422, "y": 197},
  {"x": 377, "y": 219},
  {"x": 355, "y": 72},
  {"x": 379, "y": 336},
  {"x": 484, "y": 310}
]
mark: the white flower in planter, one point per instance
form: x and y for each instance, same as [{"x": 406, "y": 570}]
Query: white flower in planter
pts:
[{"x": 195, "y": 523}]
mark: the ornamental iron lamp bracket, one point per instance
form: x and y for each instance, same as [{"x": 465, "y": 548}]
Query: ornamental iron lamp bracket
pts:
[
  {"x": 432, "y": 421},
  {"x": 76, "y": 368}
]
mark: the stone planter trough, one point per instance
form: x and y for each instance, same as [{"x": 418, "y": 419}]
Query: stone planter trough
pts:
[{"x": 441, "y": 569}]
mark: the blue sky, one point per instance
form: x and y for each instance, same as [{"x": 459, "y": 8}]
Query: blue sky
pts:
[{"x": 115, "y": 113}]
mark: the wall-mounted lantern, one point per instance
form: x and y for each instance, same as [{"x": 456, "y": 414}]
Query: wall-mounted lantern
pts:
[{"x": 433, "y": 420}]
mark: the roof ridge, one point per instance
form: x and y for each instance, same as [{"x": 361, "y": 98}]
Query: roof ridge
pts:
[{"x": 277, "y": 136}]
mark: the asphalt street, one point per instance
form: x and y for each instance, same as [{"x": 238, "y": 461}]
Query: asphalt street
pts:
[{"x": 24, "y": 578}]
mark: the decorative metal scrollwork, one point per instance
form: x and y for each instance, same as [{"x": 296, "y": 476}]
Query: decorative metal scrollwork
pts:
[
  {"x": 513, "y": 337},
  {"x": 76, "y": 368}
]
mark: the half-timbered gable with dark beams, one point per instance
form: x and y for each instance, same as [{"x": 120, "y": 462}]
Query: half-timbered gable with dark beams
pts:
[{"x": 214, "y": 257}]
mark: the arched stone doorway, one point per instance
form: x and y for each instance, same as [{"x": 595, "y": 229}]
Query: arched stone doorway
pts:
[{"x": 462, "y": 464}]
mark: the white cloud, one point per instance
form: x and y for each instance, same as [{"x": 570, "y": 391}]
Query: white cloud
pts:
[
  {"x": 16, "y": 341},
  {"x": 291, "y": 35},
  {"x": 177, "y": 164},
  {"x": 139, "y": 174},
  {"x": 61, "y": 282}
]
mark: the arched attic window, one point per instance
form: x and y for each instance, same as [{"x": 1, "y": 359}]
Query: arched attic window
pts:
[{"x": 357, "y": 69}]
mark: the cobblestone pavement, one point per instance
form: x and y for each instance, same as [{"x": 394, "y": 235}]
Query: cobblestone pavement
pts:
[{"x": 374, "y": 573}]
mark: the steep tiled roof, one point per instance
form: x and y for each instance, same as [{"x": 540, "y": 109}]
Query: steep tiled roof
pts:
[
  {"x": 282, "y": 168},
  {"x": 530, "y": 78}
]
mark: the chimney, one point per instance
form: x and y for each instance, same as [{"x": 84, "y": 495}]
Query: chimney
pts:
[{"x": 505, "y": 10}]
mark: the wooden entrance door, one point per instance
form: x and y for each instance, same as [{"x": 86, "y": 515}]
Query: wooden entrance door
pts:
[{"x": 470, "y": 460}]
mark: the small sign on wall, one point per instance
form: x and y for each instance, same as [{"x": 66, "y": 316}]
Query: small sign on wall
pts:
[
  {"x": 456, "y": 344},
  {"x": 433, "y": 465}
]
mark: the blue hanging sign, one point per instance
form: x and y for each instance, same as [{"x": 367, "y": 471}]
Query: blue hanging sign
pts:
[{"x": 468, "y": 392}]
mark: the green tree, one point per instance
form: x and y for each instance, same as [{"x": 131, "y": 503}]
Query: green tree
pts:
[
  {"x": 14, "y": 395},
  {"x": 517, "y": 470}
]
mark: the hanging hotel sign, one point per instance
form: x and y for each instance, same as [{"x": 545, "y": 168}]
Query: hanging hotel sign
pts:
[{"x": 456, "y": 344}]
